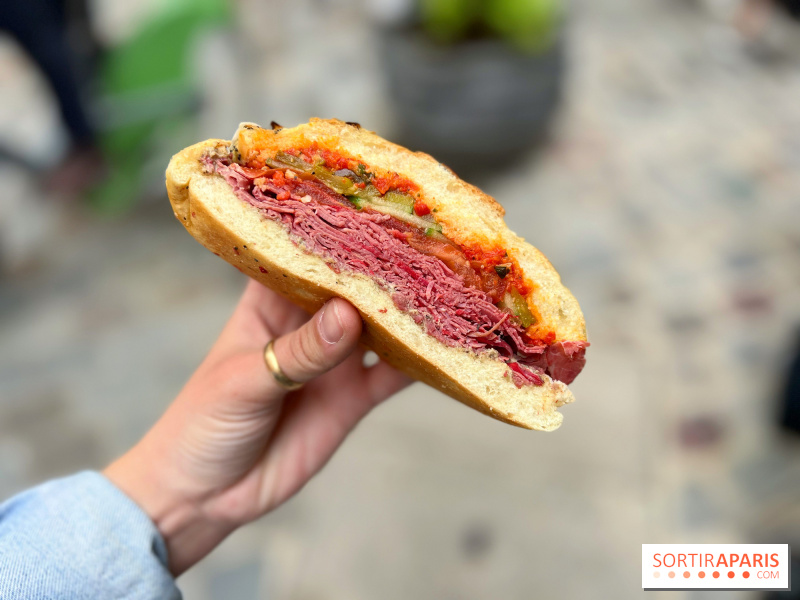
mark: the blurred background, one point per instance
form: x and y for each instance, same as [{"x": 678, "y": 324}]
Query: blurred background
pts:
[{"x": 650, "y": 149}]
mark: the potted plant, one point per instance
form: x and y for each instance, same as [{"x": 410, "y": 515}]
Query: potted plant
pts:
[{"x": 474, "y": 82}]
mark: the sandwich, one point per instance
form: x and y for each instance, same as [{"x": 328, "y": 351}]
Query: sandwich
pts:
[{"x": 448, "y": 294}]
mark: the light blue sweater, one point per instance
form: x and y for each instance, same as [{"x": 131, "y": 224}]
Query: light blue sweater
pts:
[{"x": 80, "y": 538}]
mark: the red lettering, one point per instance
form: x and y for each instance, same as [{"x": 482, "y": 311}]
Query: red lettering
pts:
[
  {"x": 774, "y": 558},
  {"x": 745, "y": 561},
  {"x": 722, "y": 561},
  {"x": 709, "y": 560},
  {"x": 734, "y": 559},
  {"x": 681, "y": 560},
  {"x": 657, "y": 560},
  {"x": 671, "y": 556}
]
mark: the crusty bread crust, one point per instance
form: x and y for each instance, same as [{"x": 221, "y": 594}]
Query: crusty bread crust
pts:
[{"x": 236, "y": 231}]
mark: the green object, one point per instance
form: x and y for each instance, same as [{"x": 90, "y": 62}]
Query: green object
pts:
[
  {"x": 501, "y": 270},
  {"x": 399, "y": 213},
  {"x": 449, "y": 20},
  {"x": 530, "y": 25},
  {"x": 157, "y": 56},
  {"x": 518, "y": 306},
  {"x": 435, "y": 232},
  {"x": 363, "y": 173},
  {"x": 393, "y": 203},
  {"x": 342, "y": 185},
  {"x": 289, "y": 160},
  {"x": 357, "y": 202},
  {"x": 149, "y": 96},
  {"x": 401, "y": 201}
]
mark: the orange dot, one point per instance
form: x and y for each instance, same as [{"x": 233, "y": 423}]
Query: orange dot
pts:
[
  {"x": 702, "y": 574},
  {"x": 731, "y": 574},
  {"x": 746, "y": 574},
  {"x": 716, "y": 574},
  {"x": 686, "y": 574},
  {"x": 656, "y": 574},
  {"x": 671, "y": 574}
]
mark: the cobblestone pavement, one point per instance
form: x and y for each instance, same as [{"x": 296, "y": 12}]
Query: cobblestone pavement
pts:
[{"x": 667, "y": 199}]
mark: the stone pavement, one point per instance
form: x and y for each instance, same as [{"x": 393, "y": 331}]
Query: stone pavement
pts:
[{"x": 667, "y": 199}]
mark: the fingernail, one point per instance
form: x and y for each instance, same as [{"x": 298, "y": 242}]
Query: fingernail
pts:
[{"x": 330, "y": 325}]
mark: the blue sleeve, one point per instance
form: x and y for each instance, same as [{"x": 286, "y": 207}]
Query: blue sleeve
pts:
[{"x": 80, "y": 538}]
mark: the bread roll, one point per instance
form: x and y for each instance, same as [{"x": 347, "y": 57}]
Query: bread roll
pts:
[{"x": 263, "y": 249}]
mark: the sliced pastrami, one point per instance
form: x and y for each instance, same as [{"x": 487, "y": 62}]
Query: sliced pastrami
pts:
[{"x": 423, "y": 286}]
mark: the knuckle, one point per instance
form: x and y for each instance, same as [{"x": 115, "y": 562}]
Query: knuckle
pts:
[{"x": 305, "y": 351}]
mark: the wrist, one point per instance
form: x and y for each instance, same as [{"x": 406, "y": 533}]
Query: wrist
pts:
[{"x": 189, "y": 532}]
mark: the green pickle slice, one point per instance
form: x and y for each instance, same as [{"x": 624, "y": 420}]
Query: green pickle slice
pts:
[
  {"x": 396, "y": 204},
  {"x": 518, "y": 306}
]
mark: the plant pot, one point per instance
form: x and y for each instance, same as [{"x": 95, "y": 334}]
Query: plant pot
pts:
[{"x": 473, "y": 104}]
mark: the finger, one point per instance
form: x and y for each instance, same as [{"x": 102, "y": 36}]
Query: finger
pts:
[
  {"x": 324, "y": 408},
  {"x": 322, "y": 343},
  {"x": 311, "y": 428}
]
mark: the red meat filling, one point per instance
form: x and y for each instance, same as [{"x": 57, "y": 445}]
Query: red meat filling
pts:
[{"x": 430, "y": 280}]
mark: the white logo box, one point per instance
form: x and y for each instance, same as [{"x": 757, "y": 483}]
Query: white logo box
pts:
[{"x": 716, "y": 567}]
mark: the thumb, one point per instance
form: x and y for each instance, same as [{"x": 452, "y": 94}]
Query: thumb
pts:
[{"x": 323, "y": 342}]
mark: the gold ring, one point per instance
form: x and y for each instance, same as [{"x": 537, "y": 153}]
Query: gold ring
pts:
[{"x": 275, "y": 369}]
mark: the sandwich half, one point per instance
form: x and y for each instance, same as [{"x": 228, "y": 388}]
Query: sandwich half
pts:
[{"x": 447, "y": 292}]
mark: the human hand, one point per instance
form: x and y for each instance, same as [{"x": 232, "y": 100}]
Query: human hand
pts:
[{"x": 234, "y": 444}]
